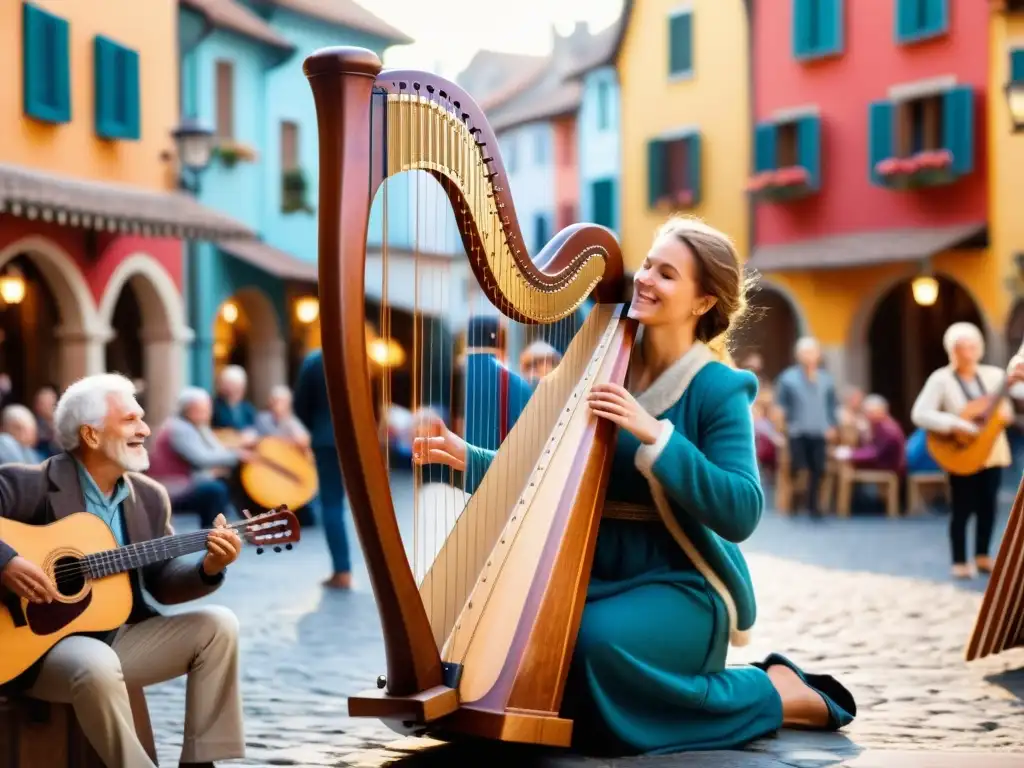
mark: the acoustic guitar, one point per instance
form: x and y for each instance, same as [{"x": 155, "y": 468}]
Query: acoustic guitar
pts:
[
  {"x": 279, "y": 471},
  {"x": 961, "y": 454},
  {"x": 81, "y": 557}
]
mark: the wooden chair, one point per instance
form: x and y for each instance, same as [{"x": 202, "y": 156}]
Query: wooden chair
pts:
[
  {"x": 36, "y": 734},
  {"x": 918, "y": 482},
  {"x": 788, "y": 485},
  {"x": 886, "y": 480}
]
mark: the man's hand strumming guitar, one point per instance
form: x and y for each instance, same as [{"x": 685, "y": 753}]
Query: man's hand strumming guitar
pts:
[
  {"x": 28, "y": 580},
  {"x": 223, "y": 546}
]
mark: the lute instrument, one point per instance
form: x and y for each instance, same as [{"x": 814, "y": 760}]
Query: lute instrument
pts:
[
  {"x": 964, "y": 454},
  {"x": 82, "y": 558},
  {"x": 278, "y": 472},
  {"x": 478, "y": 640}
]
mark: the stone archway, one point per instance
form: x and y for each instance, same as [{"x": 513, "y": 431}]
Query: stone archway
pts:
[
  {"x": 262, "y": 347},
  {"x": 81, "y": 333},
  {"x": 771, "y": 327},
  {"x": 164, "y": 335},
  {"x": 903, "y": 340}
]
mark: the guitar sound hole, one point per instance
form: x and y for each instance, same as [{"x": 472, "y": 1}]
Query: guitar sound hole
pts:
[{"x": 70, "y": 572}]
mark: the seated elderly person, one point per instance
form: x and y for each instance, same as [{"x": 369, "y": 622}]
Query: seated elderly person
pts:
[
  {"x": 538, "y": 360},
  {"x": 189, "y": 460},
  {"x": 230, "y": 408},
  {"x": 279, "y": 420},
  {"x": 19, "y": 437},
  {"x": 885, "y": 448}
]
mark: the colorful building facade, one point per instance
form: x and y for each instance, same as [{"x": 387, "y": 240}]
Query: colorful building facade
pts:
[
  {"x": 685, "y": 114},
  {"x": 90, "y": 233},
  {"x": 870, "y": 173},
  {"x": 254, "y": 303}
]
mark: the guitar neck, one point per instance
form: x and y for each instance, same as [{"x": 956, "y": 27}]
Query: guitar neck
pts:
[{"x": 135, "y": 556}]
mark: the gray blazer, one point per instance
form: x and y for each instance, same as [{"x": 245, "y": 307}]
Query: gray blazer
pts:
[{"x": 42, "y": 494}]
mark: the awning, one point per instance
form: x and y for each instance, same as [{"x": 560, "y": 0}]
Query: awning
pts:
[
  {"x": 271, "y": 260},
  {"x": 864, "y": 249},
  {"x": 108, "y": 207}
]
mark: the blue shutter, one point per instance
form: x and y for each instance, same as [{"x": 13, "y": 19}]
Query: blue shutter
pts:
[
  {"x": 765, "y": 137},
  {"x": 104, "y": 71},
  {"x": 958, "y": 127},
  {"x": 935, "y": 17},
  {"x": 808, "y": 137},
  {"x": 655, "y": 171},
  {"x": 693, "y": 152},
  {"x": 907, "y": 19},
  {"x": 602, "y": 199},
  {"x": 46, "y": 66},
  {"x": 801, "y": 28},
  {"x": 540, "y": 232},
  {"x": 1017, "y": 66},
  {"x": 680, "y": 38},
  {"x": 117, "y": 91},
  {"x": 830, "y": 19},
  {"x": 880, "y": 137},
  {"x": 132, "y": 93}
]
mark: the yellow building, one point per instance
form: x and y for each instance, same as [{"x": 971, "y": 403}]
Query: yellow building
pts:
[{"x": 685, "y": 118}]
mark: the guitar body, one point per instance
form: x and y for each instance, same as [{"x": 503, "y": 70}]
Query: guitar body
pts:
[
  {"x": 966, "y": 454},
  {"x": 85, "y": 606},
  {"x": 280, "y": 473}
]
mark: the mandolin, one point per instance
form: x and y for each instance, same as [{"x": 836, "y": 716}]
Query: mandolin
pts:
[
  {"x": 80, "y": 555},
  {"x": 961, "y": 454},
  {"x": 279, "y": 470}
]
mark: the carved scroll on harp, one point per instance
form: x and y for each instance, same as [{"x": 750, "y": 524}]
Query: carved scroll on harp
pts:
[{"x": 456, "y": 661}]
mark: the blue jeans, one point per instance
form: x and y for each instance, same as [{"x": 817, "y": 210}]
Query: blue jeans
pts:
[
  {"x": 332, "y": 507},
  {"x": 206, "y": 498}
]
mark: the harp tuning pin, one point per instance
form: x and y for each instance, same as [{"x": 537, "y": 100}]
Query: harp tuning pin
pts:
[
  {"x": 381, "y": 681},
  {"x": 277, "y": 549},
  {"x": 259, "y": 550},
  {"x": 288, "y": 547}
]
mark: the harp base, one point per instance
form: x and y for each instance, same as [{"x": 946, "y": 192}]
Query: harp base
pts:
[
  {"x": 422, "y": 707},
  {"x": 513, "y": 725}
]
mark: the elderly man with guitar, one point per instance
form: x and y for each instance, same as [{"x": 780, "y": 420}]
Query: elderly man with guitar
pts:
[{"x": 100, "y": 424}]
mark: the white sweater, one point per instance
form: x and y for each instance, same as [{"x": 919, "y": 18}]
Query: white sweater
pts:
[{"x": 941, "y": 400}]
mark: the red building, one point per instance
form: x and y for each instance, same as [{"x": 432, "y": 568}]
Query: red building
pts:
[{"x": 870, "y": 179}]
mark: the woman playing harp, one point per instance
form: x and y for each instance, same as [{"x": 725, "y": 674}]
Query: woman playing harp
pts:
[{"x": 669, "y": 588}]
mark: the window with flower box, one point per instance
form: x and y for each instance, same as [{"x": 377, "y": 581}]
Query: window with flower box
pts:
[
  {"x": 922, "y": 141},
  {"x": 787, "y": 158},
  {"x": 673, "y": 171}
]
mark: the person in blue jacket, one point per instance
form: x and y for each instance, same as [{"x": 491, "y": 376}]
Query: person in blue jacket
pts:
[
  {"x": 314, "y": 411},
  {"x": 669, "y": 587}
]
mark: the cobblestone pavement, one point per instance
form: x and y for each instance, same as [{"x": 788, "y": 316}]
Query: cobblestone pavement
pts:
[{"x": 867, "y": 600}]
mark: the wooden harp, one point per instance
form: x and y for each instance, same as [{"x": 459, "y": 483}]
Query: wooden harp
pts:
[{"x": 479, "y": 642}]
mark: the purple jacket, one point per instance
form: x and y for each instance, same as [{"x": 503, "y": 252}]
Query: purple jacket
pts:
[{"x": 887, "y": 449}]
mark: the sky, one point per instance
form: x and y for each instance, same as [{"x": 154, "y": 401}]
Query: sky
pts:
[{"x": 449, "y": 32}]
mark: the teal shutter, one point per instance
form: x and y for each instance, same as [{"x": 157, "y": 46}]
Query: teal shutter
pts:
[
  {"x": 681, "y": 43},
  {"x": 831, "y": 31},
  {"x": 117, "y": 92},
  {"x": 808, "y": 137},
  {"x": 540, "y": 232},
  {"x": 765, "y": 144},
  {"x": 935, "y": 17},
  {"x": 693, "y": 152},
  {"x": 907, "y": 19},
  {"x": 958, "y": 127},
  {"x": 602, "y": 201},
  {"x": 880, "y": 136},
  {"x": 655, "y": 171},
  {"x": 802, "y": 28},
  {"x": 1017, "y": 66},
  {"x": 46, "y": 66}
]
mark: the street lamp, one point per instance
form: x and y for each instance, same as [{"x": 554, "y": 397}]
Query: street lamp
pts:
[
  {"x": 12, "y": 287},
  {"x": 1015, "y": 102},
  {"x": 925, "y": 289},
  {"x": 195, "y": 149}
]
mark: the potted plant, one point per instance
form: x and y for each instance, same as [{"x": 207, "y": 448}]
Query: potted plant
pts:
[
  {"x": 231, "y": 152},
  {"x": 786, "y": 183},
  {"x": 293, "y": 192},
  {"x": 922, "y": 169}
]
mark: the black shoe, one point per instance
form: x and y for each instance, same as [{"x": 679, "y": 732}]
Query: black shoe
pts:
[{"x": 197, "y": 765}]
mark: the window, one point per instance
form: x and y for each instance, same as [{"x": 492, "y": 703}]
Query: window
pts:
[
  {"x": 541, "y": 232},
  {"x": 817, "y": 28},
  {"x": 225, "y": 96},
  {"x": 46, "y": 66},
  {"x": 937, "y": 127},
  {"x": 602, "y": 202},
  {"x": 289, "y": 146},
  {"x": 680, "y": 43},
  {"x": 921, "y": 19},
  {"x": 117, "y": 90},
  {"x": 793, "y": 143},
  {"x": 674, "y": 171},
  {"x": 540, "y": 148},
  {"x": 603, "y": 106}
]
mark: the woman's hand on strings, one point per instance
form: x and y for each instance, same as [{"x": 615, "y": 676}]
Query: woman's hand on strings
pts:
[
  {"x": 434, "y": 443},
  {"x": 613, "y": 402}
]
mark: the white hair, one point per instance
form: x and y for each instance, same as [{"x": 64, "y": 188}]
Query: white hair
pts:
[
  {"x": 235, "y": 373},
  {"x": 539, "y": 350},
  {"x": 875, "y": 401},
  {"x": 281, "y": 390},
  {"x": 15, "y": 414},
  {"x": 86, "y": 403},
  {"x": 806, "y": 343},
  {"x": 958, "y": 332},
  {"x": 190, "y": 396}
]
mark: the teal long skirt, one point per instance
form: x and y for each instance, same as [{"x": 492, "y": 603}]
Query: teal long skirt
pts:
[{"x": 649, "y": 676}]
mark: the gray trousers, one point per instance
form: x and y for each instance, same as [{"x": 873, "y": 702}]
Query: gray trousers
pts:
[{"x": 94, "y": 677}]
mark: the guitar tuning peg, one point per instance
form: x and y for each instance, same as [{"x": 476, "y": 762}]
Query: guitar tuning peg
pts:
[
  {"x": 288, "y": 547},
  {"x": 277, "y": 549},
  {"x": 259, "y": 550}
]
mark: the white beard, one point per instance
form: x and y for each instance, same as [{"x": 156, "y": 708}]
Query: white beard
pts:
[{"x": 119, "y": 453}]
